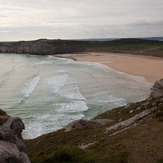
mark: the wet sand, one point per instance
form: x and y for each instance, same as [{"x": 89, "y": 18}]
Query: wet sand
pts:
[{"x": 151, "y": 68}]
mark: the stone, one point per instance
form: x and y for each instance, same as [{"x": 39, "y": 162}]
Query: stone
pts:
[
  {"x": 84, "y": 124},
  {"x": 131, "y": 106},
  {"x": 157, "y": 89},
  {"x": 2, "y": 112},
  {"x": 78, "y": 124},
  {"x": 102, "y": 122},
  {"x": 9, "y": 153},
  {"x": 17, "y": 126},
  {"x": 12, "y": 147}
]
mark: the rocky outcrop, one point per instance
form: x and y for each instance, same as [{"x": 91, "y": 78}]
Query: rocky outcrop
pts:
[
  {"x": 157, "y": 89},
  {"x": 12, "y": 147},
  {"x": 42, "y": 47},
  {"x": 84, "y": 124}
]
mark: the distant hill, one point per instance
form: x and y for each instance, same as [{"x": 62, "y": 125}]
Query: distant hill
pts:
[
  {"x": 111, "y": 39},
  {"x": 149, "y": 47}
]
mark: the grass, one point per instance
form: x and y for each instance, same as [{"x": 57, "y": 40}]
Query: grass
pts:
[
  {"x": 142, "y": 143},
  {"x": 63, "y": 154}
]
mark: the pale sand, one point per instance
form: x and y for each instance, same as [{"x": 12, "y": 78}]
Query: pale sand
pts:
[{"x": 149, "y": 67}]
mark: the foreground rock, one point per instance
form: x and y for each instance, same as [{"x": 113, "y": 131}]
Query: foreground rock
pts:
[
  {"x": 157, "y": 89},
  {"x": 12, "y": 147}
]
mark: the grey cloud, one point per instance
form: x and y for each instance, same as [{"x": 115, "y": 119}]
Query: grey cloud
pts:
[{"x": 34, "y": 19}]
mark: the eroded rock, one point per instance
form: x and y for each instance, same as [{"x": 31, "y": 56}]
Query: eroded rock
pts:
[
  {"x": 12, "y": 147},
  {"x": 157, "y": 89},
  {"x": 83, "y": 124}
]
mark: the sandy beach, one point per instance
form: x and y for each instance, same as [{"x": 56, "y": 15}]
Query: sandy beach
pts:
[{"x": 151, "y": 68}]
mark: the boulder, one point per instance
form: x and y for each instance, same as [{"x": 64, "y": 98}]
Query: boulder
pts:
[
  {"x": 131, "y": 106},
  {"x": 9, "y": 153},
  {"x": 12, "y": 147},
  {"x": 157, "y": 89},
  {"x": 84, "y": 124},
  {"x": 78, "y": 124}
]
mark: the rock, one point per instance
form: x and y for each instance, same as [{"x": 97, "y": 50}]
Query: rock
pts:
[
  {"x": 83, "y": 124},
  {"x": 17, "y": 126},
  {"x": 102, "y": 122},
  {"x": 157, "y": 89},
  {"x": 2, "y": 112},
  {"x": 131, "y": 111},
  {"x": 131, "y": 106},
  {"x": 78, "y": 124},
  {"x": 9, "y": 153},
  {"x": 12, "y": 147}
]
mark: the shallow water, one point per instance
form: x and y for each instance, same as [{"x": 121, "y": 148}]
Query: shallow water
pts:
[{"x": 48, "y": 92}]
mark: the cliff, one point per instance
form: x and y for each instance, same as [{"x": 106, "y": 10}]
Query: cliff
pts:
[
  {"x": 43, "y": 47},
  {"x": 128, "y": 134},
  {"x": 12, "y": 147}
]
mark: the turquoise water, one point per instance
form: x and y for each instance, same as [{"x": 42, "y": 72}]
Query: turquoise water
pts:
[{"x": 48, "y": 92}]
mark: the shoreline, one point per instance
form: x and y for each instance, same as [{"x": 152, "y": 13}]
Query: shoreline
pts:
[{"x": 150, "y": 68}]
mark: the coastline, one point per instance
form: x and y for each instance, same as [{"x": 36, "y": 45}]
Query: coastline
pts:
[{"x": 150, "y": 68}]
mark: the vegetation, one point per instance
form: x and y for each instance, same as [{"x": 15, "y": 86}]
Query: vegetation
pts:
[
  {"x": 138, "y": 143},
  {"x": 63, "y": 154},
  {"x": 46, "y": 47}
]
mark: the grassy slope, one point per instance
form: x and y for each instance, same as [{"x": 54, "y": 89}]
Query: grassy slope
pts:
[
  {"x": 142, "y": 143},
  {"x": 130, "y": 46}
]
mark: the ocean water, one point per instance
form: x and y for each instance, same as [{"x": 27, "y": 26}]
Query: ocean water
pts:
[{"x": 49, "y": 92}]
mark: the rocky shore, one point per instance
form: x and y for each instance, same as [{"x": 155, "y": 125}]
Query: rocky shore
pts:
[{"x": 12, "y": 147}]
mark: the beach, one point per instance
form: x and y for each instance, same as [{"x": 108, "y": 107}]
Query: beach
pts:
[{"x": 151, "y": 68}]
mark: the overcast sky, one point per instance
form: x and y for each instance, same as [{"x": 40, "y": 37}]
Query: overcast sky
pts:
[{"x": 74, "y": 19}]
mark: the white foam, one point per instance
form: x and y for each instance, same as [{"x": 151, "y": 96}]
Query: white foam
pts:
[
  {"x": 103, "y": 98},
  {"x": 42, "y": 62},
  {"x": 57, "y": 82},
  {"x": 62, "y": 71},
  {"x": 72, "y": 93},
  {"x": 46, "y": 123},
  {"x": 74, "y": 106},
  {"x": 31, "y": 85}
]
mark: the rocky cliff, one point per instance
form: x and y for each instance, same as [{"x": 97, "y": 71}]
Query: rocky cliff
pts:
[
  {"x": 12, "y": 147},
  {"x": 43, "y": 47}
]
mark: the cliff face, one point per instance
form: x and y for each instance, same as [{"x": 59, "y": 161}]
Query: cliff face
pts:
[
  {"x": 12, "y": 147},
  {"x": 42, "y": 47}
]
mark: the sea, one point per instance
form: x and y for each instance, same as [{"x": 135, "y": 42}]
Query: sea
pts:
[{"x": 49, "y": 92}]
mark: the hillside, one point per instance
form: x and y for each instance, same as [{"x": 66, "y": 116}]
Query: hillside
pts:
[
  {"x": 47, "y": 47},
  {"x": 129, "y": 134}
]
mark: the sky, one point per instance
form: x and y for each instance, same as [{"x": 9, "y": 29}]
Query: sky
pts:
[{"x": 79, "y": 19}]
